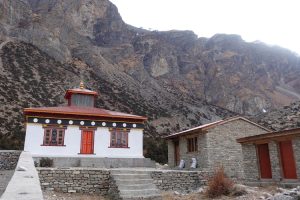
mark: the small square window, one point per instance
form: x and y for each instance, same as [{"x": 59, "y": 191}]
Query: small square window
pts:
[
  {"x": 119, "y": 138},
  {"x": 192, "y": 144},
  {"x": 54, "y": 136}
]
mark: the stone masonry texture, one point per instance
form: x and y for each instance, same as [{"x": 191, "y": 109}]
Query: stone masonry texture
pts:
[
  {"x": 223, "y": 149},
  {"x": 200, "y": 155},
  {"x": 251, "y": 161},
  {"x": 76, "y": 180},
  {"x": 296, "y": 148},
  {"x": 250, "y": 165},
  {"x": 218, "y": 147},
  {"x": 274, "y": 158},
  {"x": 9, "y": 159},
  {"x": 100, "y": 181},
  {"x": 183, "y": 181}
]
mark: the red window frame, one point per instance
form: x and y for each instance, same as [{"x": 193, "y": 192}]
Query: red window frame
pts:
[
  {"x": 192, "y": 144},
  {"x": 49, "y": 133},
  {"x": 119, "y": 138}
]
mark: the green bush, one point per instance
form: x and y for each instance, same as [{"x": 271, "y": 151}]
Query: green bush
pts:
[
  {"x": 46, "y": 162},
  {"x": 156, "y": 149}
]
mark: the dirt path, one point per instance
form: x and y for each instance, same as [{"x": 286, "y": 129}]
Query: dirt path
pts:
[
  {"x": 51, "y": 195},
  {"x": 286, "y": 89}
]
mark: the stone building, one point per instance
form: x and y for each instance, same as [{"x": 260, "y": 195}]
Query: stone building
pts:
[
  {"x": 272, "y": 157},
  {"x": 212, "y": 145}
]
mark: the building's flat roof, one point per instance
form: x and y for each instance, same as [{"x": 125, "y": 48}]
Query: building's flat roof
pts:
[
  {"x": 270, "y": 136},
  {"x": 82, "y": 111},
  {"x": 211, "y": 125}
]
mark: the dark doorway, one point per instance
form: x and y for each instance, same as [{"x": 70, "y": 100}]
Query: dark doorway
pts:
[{"x": 176, "y": 152}]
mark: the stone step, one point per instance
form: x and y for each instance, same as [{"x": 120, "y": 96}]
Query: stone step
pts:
[
  {"x": 132, "y": 176},
  {"x": 145, "y": 197},
  {"x": 137, "y": 186},
  {"x": 140, "y": 193},
  {"x": 128, "y": 171},
  {"x": 132, "y": 181}
]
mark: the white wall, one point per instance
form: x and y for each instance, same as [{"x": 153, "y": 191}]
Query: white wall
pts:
[
  {"x": 135, "y": 144},
  {"x": 72, "y": 141}
]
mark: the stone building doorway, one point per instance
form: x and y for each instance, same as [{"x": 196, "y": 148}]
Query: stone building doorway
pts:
[
  {"x": 87, "y": 142},
  {"x": 264, "y": 161},
  {"x": 176, "y": 152},
  {"x": 287, "y": 160}
]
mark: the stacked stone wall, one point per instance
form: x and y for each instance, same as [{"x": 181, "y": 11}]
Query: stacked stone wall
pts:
[
  {"x": 250, "y": 162},
  {"x": 296, "y": 148},
  {"x": 9, "y": 159},
  {"x": 100, "y": 181},
  {"x": 184, "y": 181},
  {"x": 76, "y": 180},
  {"x": 275, "y": 162},
  {"x": 223, "y": 148}
]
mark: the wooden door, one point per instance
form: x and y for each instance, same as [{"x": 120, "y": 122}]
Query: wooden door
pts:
[
  {"x": 264, "y": 161},
  {"x": 287, "y": 160},
  {"x": 87, "y": 142},
  {"x": 176, "y": 152}
]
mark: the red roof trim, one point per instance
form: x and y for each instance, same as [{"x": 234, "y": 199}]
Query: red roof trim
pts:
[
  {"x": 270, "y": 136},
  {"x": 81, "y": 111},
  {"x": 69, "y": 92}
]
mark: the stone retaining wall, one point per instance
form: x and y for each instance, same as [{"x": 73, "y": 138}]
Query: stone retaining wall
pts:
[
  {"x": 100, "y": 181},
  {"x": 184, "y": 181},
  {"x": 75, "y": 180},
  {"x": 9, "y": 159}
]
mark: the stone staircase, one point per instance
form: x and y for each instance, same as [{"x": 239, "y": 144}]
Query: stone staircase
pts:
[{"x": 135, "y": 184}]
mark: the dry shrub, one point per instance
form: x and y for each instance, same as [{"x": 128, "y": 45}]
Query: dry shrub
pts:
[{"x": 219, "y": 184}]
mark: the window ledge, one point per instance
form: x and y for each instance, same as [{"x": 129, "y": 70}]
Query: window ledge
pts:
[
  {"x": 119, "y": 147},
  {"x": 46, "y": 145},
  {"x": 192, "y": 152}
]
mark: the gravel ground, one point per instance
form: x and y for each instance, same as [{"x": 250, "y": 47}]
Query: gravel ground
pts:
[
  {"x": 5, "y": 177},
  {"x": 51, "y": 195},
  {"x": 253, "y": 193}
]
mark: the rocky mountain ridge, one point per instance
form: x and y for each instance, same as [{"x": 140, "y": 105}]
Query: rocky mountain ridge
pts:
[
  {"x": 175, "y": 78},
  {"x": 287, "y": 117}
]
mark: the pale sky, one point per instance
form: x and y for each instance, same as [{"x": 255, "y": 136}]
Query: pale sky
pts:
[{"x": 275, "y": 22}]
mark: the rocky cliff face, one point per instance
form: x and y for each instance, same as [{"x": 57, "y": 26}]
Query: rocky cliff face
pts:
[
  {"x": 173, "y": 77},
  {"x": 287, "y": 117}
]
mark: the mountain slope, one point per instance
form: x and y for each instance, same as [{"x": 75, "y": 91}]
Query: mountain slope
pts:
[
  {"x": 175, "y": 78},
  {"x": 287, "y": 117},
  {"x": 31, "y": 78}
]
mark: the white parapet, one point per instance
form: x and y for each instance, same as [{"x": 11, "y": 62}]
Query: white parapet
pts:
[{"x": 25, "y": 182}]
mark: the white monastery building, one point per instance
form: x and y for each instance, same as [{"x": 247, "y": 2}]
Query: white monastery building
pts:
[{"x": 82, "y": 130}]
